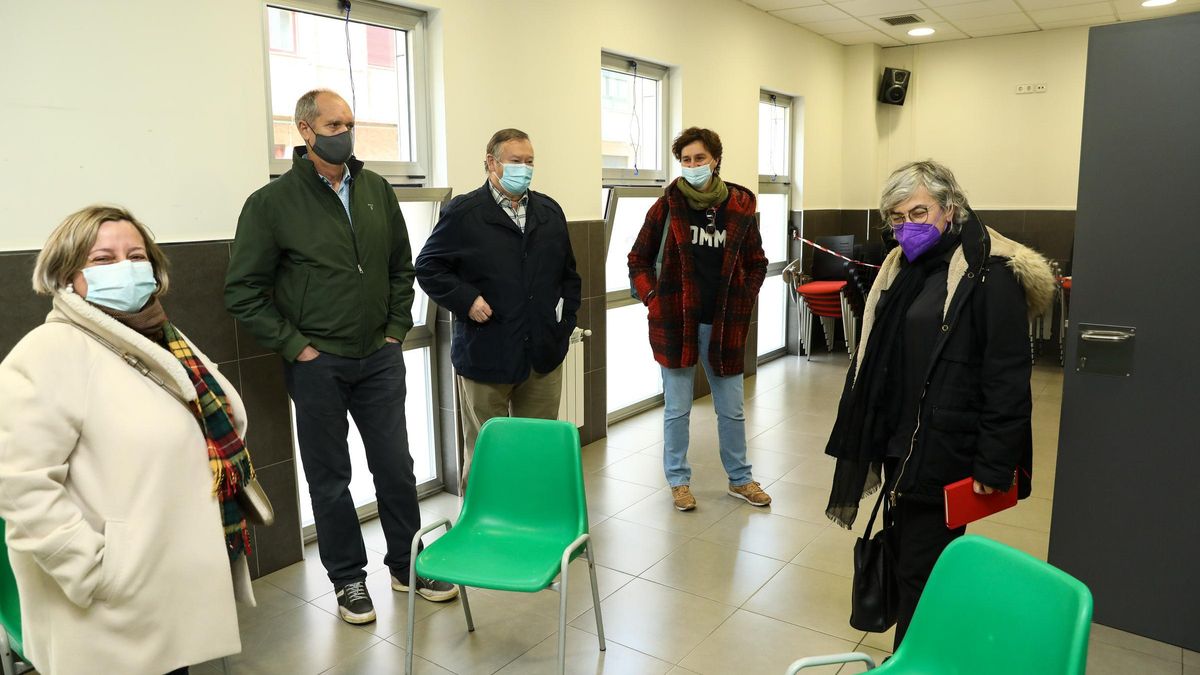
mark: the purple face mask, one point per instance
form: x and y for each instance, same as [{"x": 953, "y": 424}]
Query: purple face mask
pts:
[{"x": 916, "y": 238}]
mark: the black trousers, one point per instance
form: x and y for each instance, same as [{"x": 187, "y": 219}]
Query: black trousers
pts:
[
  {"x": 918, "y": 538},
  {"x": 372, "y": 391}
]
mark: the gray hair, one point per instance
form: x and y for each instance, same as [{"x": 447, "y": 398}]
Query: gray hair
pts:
[
  {"x": 307, "y": 110},
  {"x": 936, "y": 179},
  {"x": 500, "y": 138}
]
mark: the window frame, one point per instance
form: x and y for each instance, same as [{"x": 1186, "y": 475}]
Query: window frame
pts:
[
  {"x": 415, "y": 173},
  {"x": 788, "y": 103},
  {"x": 662, "y": 74},
  {"x": 779, "y": 184},
  {"x": 619, "y": 299}
]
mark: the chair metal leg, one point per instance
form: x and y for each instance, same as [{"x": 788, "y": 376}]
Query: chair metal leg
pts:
[
  {"x": 562, "y": 614},
  {"x": 225, "y": 666},
  {"x": 462, "y": 592},
  {"x": 827, "y": 328},
  {"x": 828, "y": 660},
  {"x": 412, "y": 590},
  {"x": 8, "y": 660},
  {"x": 595, "y": 596}
]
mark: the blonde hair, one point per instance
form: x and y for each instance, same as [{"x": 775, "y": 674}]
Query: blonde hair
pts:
[{"x": 66, "y": 251}]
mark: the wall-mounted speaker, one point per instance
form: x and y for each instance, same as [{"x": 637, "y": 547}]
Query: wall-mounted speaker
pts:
[{"x": 894, "y": 86}]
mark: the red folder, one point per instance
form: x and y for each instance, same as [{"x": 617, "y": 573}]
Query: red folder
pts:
[{"x": 963, "y": 506}]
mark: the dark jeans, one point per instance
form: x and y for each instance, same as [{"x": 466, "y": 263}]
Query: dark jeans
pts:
[
  {"x": 919, "y": 537},
  {"x": 372, "y": 390}
]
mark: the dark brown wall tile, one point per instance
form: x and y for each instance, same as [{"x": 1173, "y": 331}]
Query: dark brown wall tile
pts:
[
  {"x": 580, "y": 246},
  {"x": 281, "y": 544},
  {"x": 195, "y": 301},
  {"x": 269, "y": 435},
  {"x": 23, "y": 310},
  {"x": 596, "y": 253}
]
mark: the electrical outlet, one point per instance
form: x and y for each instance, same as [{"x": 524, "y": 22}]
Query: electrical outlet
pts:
[
  {"x": 1022, "y": 89},
  {"x": 1039, "y": 88}
]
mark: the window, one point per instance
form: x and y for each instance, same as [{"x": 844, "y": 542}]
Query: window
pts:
[
  {"x": 774, "y": 211},
  {"x": 374, "y": 61},
  {"x": 634, "y": 380},
  {"x": 421, "y": 207},
  {"x": 633, "y": 120}
]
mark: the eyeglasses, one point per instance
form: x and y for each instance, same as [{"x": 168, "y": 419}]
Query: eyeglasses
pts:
[
  {"x": 711, "y": 216},
  {"x": 917, "y": 214}
]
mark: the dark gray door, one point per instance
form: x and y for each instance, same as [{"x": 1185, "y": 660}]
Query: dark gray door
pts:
[{"x": 1126, "y": 515}]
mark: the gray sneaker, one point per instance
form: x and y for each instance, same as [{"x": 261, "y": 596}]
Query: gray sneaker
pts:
[
  {"x": 354, "y": 603},
  {"x": 430, "y": 589}
]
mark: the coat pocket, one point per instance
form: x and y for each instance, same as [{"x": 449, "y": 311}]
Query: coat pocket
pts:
[{"x": 113, "y": 565}]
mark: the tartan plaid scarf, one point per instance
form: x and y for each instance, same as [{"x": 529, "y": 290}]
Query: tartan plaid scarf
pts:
[{"x": 227, "y": 455}]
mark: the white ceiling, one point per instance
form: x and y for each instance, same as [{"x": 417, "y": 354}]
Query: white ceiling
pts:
[{"x": 853, "y": 22}]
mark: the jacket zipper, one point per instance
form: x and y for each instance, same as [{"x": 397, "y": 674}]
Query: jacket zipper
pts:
[{"x": 912, "y": 444}]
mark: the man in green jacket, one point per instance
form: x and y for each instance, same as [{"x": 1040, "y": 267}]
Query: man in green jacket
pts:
[{"x": 321, "y": 272}]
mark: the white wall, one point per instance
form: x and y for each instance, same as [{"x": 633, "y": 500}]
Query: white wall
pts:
[
  {"x": 1009, "y": 151},
  {"x": 160, "y": 105}
]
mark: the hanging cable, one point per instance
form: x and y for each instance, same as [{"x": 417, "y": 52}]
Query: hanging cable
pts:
[
  {"x": 635, "y": 122},
  {"x": 345, "y": 4},
  {"x": 774, "y": 135}
]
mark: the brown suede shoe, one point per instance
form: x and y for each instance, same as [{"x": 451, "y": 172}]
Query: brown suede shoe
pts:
[
  {"x": 684, "y": 501},
  {"x": 751, "y": 492}
]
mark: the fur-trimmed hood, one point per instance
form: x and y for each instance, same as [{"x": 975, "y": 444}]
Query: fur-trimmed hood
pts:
[{"x": 979, "y": 242}]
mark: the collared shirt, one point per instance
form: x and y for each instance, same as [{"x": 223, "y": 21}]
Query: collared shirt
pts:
[
  {"x": 343, "y": 190},
  {"x": 517, "y": 214}
]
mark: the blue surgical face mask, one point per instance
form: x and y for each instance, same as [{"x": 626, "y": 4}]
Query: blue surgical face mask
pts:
[
  {"x": 123, "y": 286},
  {"x": 516, "y": 178},
  {"x": 698, "y": 176}
]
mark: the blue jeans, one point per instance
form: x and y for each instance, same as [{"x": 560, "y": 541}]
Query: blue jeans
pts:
[{"x": 731, "y": 422}]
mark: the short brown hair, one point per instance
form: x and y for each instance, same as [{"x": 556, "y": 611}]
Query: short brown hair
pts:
[
  {"x": 710, "y": 139},
  {"x": 501, "y": 137},
  {"x": 67, "y": 248}
]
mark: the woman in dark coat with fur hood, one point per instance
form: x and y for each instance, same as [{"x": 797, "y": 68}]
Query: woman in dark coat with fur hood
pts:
[{"x": 939, "y": 387}]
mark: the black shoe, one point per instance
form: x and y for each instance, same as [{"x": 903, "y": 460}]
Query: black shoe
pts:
[
  {"x": 437, "y": 591},
  {"x": 354, "y": 603}
]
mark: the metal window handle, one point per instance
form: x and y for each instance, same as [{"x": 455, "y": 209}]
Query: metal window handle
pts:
[{"x": 1105, "y": 336}]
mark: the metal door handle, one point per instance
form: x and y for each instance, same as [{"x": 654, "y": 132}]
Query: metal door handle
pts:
[{"x": 1105, "y": 336}]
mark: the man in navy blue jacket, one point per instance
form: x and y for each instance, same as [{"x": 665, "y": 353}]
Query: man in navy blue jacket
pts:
[{"x": 500, "y": 260}]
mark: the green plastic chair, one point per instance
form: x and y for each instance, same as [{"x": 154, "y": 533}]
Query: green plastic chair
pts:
[
  {"x": 11, "y": 660},
  {"x": 524, "y": 518},
  {"x": 989, "y": 609}
]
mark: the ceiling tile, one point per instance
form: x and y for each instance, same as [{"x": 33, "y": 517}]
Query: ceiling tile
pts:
[
  {"x": 864, "y": 37},
  {"x": 839, "y": 26},
  {"x": 812, "y": 14},
  {"x": 1001, "y": 31},
  {"x": 1132, "y": 10},
  {"x": 946, "y": 3},
  {"x": 1093, "y": 10},
  {"x": 877, "y": 7},
  {"x": 943, "y": 32},
  {"x": 773, "y": 5},
  {"x": 1071, "y": 23},
  {"x": 974, "y": 10},
  {"x": 1013, "y": 22},
  {"x": 1031, "y": 5}
]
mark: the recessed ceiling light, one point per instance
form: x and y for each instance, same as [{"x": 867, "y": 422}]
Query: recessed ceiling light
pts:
[
  {"x": 1157, "y": 3},
  {"x": 922, "y": 32}
]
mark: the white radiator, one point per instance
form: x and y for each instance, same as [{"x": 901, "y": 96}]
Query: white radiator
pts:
[{"x": 571, "y": 402}]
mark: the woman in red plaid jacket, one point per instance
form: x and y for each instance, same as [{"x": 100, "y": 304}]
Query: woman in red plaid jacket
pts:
[{"x": 700, "y": 304}]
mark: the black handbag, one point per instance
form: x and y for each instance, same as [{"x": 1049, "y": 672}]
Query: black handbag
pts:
[{"x": 874, "y": 598}]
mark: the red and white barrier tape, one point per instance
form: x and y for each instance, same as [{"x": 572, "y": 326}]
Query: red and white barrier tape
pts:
[{"x": 834, "y": 253}]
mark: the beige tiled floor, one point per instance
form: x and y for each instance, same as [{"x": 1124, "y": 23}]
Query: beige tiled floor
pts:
[{"x": 728, "y": 588}]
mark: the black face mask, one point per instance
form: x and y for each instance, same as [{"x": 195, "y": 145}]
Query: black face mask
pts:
[{"x": 334, "y": 149}]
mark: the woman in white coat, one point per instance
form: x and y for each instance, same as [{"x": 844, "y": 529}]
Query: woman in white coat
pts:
[{"x": 119, "y": 488}]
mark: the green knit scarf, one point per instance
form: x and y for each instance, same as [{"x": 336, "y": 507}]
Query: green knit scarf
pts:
[{"x": 717, "y": 193}]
